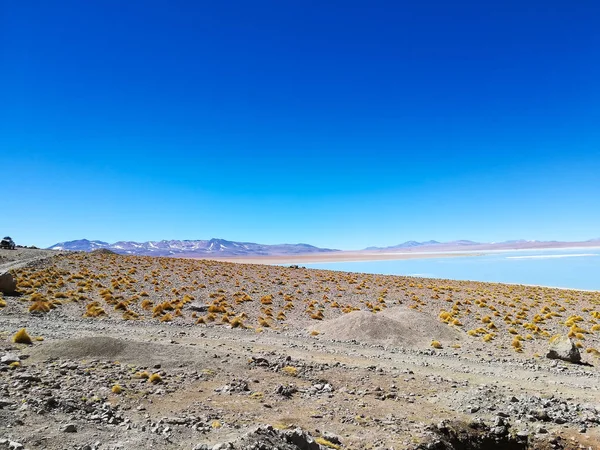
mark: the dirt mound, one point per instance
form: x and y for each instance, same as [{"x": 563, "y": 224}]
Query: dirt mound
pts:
[
  {"x": 111, "y": 349},
  {"x": 395, "y": 326},
  {"x": 103, "y": 251}
]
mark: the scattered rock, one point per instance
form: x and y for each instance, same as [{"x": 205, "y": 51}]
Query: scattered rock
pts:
[
  {"x": 198, "y": 307},
  {"x": 8, "y": 285},
  {"x": 563, "y": 348},
  {"x": 9, "y": 358},
  {"x": 70, "y": 428}
]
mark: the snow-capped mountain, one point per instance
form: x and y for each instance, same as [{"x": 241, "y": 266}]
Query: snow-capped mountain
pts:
[
  {"x": 214, "y": 247},
  {"x": 80, "y": 245}
]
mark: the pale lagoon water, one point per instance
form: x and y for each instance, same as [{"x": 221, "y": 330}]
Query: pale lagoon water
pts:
[{"x": 566, "y": 268}]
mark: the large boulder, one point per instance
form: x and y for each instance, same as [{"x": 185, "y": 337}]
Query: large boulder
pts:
[
  {"x": 562, "y": 347},
  {"x": 8, "y": 285}
]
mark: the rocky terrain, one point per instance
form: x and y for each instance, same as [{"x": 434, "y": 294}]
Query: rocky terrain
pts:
[{"x": 106, "y": 351}]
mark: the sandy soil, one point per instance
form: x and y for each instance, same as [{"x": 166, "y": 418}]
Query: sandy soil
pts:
[{"x": 347, "y": 357}]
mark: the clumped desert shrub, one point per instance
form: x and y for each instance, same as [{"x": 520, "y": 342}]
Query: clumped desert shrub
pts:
[
  {"x": 290, "y": 370},
  {"x": 155, "y": 378},
  {"x": 21, "y": 337},
  {"x": 146, "y": 304},
  {"x": 436, "y": 344},
  {"x": 39, "y": 306},
  {"x": 237, "y": 322},
  {"x": 130, "y": 315},
  {"x": 516, "y": 344},
  {"x": 593, "y": 352},
  {"x": 116, "y": 389},
  {"x": 263, "y": 322},
  {"x": 94, "y": 309},
  {"x": 325, "y": 443},
  {"x": 216, "y": 309},
  {"x": 317, "y": 316},
  {"x": 166, "y": 318},
  {"x": 267, "y": 299}
]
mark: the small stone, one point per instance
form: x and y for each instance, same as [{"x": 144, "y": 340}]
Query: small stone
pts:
[
  {"x": 70, "y": 428},
  {"x": 333, "y": 438},
  {"x": 9, "y": 358},
  {"x": 499, "y": 431},
  {"x": 523, "y": 434}
]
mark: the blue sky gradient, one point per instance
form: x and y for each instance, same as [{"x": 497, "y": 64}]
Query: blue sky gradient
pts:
[{"x": 340, "y": 124}]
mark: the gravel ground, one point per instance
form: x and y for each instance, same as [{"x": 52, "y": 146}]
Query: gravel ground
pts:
[{"x": 130, "y": 352}]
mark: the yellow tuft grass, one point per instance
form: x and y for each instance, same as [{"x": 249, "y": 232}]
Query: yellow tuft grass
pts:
[
  {"x": 290, "y": 370},
  {"x": 21, "y": 337},
  {"x": 40, "y": 306},
  {"x": 116, "y": 389},
  {"x": 325, "y": 443},
  {"x": 155, "y": 378},
  {"x": 94, "y": 309},
  {"x": 436, "y": 344}
]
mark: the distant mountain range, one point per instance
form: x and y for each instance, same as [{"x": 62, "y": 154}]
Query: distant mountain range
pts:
[
  {"x": 191, "y": 248},
  {"x": 412, "y": 244},
  {"x": 221, "y": 247},
  {"x": 435, "y": 246}
]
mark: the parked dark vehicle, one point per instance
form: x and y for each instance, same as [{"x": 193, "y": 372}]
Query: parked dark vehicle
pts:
[{"x": 8, "y": 243}]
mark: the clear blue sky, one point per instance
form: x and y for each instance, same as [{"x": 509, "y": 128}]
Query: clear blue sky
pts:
[{"x": 341, "y": 124}]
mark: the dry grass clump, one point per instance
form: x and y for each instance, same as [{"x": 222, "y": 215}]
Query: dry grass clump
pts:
[
  {"x": 267, "y": 300},
  {"x": 237, "y": 322},
  {"x": 436, "y": 344},
  {"x": 290, "y": 370},
  {"x": 155, "y": 378},
  {"x": 94, "y": 309},
  {"x": 264, "y": 322},
  {"x": 21, "y": 337},
  {"x": 325, "y": 443},
  {"x": 116, "y": 389},
  {"x": 2, "y": 303},
  {"x": 40, "y": 306},
  {"x": 130, "y": 315}
]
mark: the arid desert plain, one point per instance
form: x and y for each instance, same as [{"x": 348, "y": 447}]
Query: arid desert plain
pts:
[{"x": 131, "y": 352}]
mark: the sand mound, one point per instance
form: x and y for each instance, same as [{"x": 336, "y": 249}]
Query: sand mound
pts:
[
  {"x": 397, "y": 326},
  {"x": 111, "y": 349}
]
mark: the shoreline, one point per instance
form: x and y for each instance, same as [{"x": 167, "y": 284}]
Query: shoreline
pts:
[
  {"x": 335, "y": 257},
  {"x": 363, "y": 256}
]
